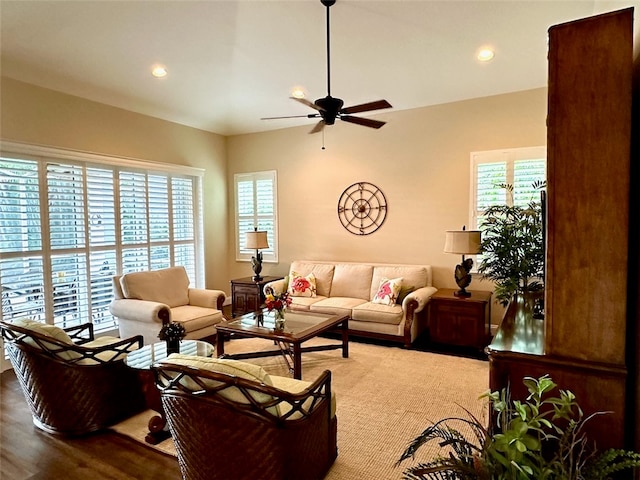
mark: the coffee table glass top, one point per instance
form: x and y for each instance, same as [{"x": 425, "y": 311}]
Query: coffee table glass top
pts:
[
  {"x": 296, "y": 323},
  {"x": 149, "y": 354}
]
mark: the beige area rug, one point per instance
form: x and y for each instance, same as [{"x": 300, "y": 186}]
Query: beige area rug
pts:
[{"x": 386, "y": 396}]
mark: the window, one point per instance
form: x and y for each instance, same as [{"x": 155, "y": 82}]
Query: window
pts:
[
  {"x": 256, "y": 200},
  {"x": 520, "y": 167},
  {"x": 69, "y": 222}
]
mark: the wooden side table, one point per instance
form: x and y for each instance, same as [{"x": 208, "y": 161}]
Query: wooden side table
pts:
[
  {"x": 247, "y": 295},
  {"x": 460, "y": 321}
]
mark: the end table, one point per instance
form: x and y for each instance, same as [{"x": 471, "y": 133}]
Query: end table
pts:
[
  {"x": 460, "y": 321},
  {"x": 247, "y": 295}
]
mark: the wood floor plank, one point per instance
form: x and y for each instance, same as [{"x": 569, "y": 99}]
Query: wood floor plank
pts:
[{"x": 27, "y": 453}]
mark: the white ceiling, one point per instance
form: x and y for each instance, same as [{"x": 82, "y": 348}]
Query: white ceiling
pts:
[{"x": 232, "y": 62}]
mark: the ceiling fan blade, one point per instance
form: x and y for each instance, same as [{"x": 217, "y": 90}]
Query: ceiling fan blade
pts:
[
  {"x": 306, "y": 102},
  {"x": 311, "y": 115},
  {"x": 318, "y": 128},
  {"x": 366, "y": 122},
  {"x": 365, "y": 107}
]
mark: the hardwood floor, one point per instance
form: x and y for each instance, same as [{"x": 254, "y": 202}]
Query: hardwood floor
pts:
[{"x": 27, "y": 453}]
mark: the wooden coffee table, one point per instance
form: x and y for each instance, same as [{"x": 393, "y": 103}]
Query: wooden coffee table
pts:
[{"x": 299, "y": 327}]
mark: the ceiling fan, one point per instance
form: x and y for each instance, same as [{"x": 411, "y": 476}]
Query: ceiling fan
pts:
[{"x": 329, "y": 108}]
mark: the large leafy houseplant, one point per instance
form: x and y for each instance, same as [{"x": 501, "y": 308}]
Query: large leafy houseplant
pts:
[
  {"x": 541, "y": 438},
  {"x": 512, "y": 246}
]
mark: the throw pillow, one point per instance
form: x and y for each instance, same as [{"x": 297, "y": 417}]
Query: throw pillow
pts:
[
  {"x": 300, "y": 286},
  {"x": 388, "y": 291}
]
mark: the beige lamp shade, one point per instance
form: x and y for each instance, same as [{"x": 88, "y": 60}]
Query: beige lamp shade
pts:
[
  {"x": 465, "y": 242},
  {"x": 257, "y": 240}
]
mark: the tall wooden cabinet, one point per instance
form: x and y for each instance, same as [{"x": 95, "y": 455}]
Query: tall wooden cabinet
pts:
[{"x": 582, "y": 341}]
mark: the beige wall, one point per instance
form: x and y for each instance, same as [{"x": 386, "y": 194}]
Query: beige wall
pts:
[
  {"x": 39, "y": 116},
  {"x": 420, "y": 160}
]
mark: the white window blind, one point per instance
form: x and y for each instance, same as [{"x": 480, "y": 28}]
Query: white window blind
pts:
[
  {"x": 256, "y": 200},
  {"x": 520, "y": 167},
  {"x": 68, "y": 226}
]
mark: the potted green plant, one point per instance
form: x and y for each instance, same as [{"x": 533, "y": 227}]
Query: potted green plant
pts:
[
  {"x": 540, "y": 438},
  {"x": 512, "y": 246}
]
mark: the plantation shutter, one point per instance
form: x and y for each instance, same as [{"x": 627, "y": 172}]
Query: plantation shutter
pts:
[
  {"x": 69, "y": 223},
  {"x": 256, "y": 208},
  {"x": 519, "y": 167}
]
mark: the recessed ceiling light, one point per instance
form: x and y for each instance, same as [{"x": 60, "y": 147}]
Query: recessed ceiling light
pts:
[
  {"x": 159, "y": 71},
  {"x": 485, "y": 54},
  {"x": 297, "y": 92}
]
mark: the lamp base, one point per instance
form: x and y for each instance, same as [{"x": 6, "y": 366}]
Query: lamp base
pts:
[
  {"x": 462, "y": 293},
  {"x": 256, "y": 278}
]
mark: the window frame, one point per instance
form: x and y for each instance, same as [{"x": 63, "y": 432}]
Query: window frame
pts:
[
  {"x": 269, "y": 255},
  {"x": 507, "y": 155},
  {"x": 46, "y": 159}
]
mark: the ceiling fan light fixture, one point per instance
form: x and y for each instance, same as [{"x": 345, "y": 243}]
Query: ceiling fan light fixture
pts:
[
  {"x": 298, "y": 92},
  {"x": 329, "y": 109}
]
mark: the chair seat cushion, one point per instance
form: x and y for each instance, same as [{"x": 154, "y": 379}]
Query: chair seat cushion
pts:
[
  {"x": 195, "y": 318},
  {"x": 236, "y": 368},
  {"x": 292, "y": 385},
  {"x": 48, "y": 331}
]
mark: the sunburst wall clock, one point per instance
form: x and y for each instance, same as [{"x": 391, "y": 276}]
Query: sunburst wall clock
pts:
[{"x": 362, "y": 208}]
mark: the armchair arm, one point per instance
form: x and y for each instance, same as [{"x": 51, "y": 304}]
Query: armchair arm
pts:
[
  {"x": 203, "y": 297},
  {"x": 140, "y": 310},
  {"x": 278, "y": 286},
  {"x": 419, "y": 297}
]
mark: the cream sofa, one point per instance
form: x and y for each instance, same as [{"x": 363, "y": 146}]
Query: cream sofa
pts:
[
  {"x": 351, "y": 288},
  {"x": 145, "y": 300}
]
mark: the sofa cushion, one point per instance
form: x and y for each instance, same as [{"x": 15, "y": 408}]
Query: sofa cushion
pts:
[
  {"x": 413, "y": 275},
  {"x": 168, "y": 285},
  {"x": 195, "y": 318},
  {"x": 388, "y": 291},
  {"x": 304, "y": 303},
  {"x": 336, "y": 305},
  {"x": 322, "y": 271},
  {"x": 302, "y": 286},
  {"x": 352, "y": 280},
  {"x": 376, "y": 313}
]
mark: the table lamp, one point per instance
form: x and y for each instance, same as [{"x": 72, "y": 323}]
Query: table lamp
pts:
[
  {"x": 465, "y": 242},
  {"x": 257, "y": 240}
]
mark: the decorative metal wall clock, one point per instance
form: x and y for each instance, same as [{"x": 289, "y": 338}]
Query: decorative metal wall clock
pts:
[{"x": 362, "y": 208}]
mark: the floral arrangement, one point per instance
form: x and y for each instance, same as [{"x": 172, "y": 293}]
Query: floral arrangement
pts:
[
  {"x": 172, "y": 331},
  {"x": 277, "y": 301}
]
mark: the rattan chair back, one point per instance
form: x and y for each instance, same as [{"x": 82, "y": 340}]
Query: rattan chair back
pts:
[
  {"x": 220, "y": 439},
  {"x": 66, "y": 396}
]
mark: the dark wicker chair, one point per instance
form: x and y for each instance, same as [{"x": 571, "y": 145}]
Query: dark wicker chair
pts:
[
  {"x": 271, "y": 434},
  {"x": 74, "y": 389}
]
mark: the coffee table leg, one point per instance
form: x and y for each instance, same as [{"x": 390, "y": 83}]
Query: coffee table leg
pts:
[
  {"x": 345, "y": 339},
  {"x": 297, "y": 361},
  {"x": 158, "y": 423},
  {"x": 219, "y": 344}
]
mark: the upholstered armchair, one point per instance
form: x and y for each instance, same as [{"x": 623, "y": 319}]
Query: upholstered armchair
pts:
[
  {"x": 143, "y": 301},
  {"x": 230, "y": 419},
  {"x": 73, "y": 383}
]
